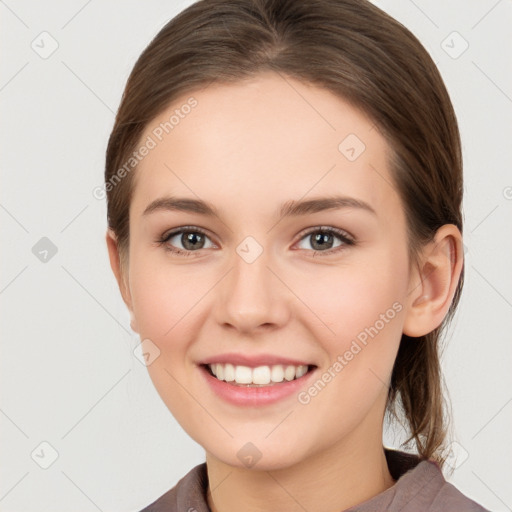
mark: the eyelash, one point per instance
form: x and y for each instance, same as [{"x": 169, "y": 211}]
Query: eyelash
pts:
[{"x": 343, "y": 236}]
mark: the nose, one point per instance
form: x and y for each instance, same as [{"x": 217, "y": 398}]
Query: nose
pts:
[{"x": 252, "y": 297}]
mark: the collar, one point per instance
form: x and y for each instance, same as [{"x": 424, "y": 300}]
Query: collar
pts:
[{"x": 419, "y": 485}]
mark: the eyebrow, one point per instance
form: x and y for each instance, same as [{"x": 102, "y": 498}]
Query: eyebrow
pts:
[{"x": 288, "y": 209}]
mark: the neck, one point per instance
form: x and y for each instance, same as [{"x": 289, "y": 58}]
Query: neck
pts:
[{"x": 337, "y": 478}]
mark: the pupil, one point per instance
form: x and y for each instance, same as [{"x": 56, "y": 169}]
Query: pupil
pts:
[
  {"x": 322, "y": 239},
  {"x": 190, "y": 240}
]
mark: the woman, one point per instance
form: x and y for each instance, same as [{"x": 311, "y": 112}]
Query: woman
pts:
[{"x": 284, "y": 185}]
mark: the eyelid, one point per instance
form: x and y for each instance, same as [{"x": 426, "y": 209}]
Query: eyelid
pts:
[
  {"x": 338, "y": 231},
  {"x": 176, "y": 231}
]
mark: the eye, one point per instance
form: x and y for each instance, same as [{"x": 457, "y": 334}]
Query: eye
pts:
[
  {"x": 322, "y": 239},
  {"x": 190, "y": 238}
]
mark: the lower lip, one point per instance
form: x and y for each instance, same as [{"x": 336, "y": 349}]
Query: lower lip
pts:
[{"x": 257, "y": 395}]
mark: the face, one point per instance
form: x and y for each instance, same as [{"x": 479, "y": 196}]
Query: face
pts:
[{"x": 261, "y": 281}]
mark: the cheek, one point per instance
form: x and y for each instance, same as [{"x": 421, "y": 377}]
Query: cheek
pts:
[
  {"x": 166, "y": 304},
  {"x": 366, "y": 314},
  {"x": 164, "y": 298},
  {"x": 169, "y": 307},
  {"x": 358, "y": 313},
  {"x": 344, "y": 300}
]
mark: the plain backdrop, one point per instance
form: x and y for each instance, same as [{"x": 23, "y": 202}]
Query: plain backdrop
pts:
[{"x": 82, "y": 428}]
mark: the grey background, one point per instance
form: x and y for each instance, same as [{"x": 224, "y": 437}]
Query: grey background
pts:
[{"x": 68, "y": 373}]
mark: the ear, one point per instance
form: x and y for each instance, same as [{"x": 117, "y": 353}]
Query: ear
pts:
[
  {"x": 120, "y": 274},
  {"x": 433, "y": 284}
]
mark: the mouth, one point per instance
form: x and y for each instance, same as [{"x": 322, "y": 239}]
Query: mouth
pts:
[{"x": 259, "y": 376}]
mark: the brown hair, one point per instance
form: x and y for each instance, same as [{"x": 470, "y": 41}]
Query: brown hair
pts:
[{"x": 359, "y": 53}]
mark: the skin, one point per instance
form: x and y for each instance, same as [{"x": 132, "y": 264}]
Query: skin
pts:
[{"x": 247, "y": 148}]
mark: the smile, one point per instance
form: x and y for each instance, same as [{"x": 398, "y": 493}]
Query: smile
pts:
[{"x": 258, "y": 376}]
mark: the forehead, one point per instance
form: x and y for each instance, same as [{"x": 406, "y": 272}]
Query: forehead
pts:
[{"x": 263, "y": 141}]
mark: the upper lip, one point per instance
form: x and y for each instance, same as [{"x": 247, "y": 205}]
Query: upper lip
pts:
[{"x": 253, "y": 361}]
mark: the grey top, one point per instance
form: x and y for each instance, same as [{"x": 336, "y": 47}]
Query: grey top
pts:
[{"x": 419, "y": 487}]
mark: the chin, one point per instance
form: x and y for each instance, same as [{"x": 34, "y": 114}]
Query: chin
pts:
[{"x": 257, "y": 456}]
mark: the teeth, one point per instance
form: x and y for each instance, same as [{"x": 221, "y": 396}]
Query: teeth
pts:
[
  {"x": 243, "y": 374},
  {"x": 289, "y": 372},
  {"x": 260, "y": 375},
  {"x": 277, "y": 373},
  {"x": 301, "y": 370},
  {"x": 229, "y": 372}
]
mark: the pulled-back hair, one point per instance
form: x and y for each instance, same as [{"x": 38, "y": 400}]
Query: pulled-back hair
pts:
[{"x": 356, "y": 51}]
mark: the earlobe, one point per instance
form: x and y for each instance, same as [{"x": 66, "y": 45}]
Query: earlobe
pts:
[
  {"x": 121, "y": 278},
  {"x": 133, "y": 322},
  {"x": 434, "y": 283}
]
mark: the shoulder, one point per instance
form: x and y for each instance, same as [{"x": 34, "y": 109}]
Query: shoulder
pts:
[
  {"x": 424, "y": 487},
  {"x": 189, "y": 494},
  {"x": 419, "y": 486},
  {"x": 446, "y": 497}
]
